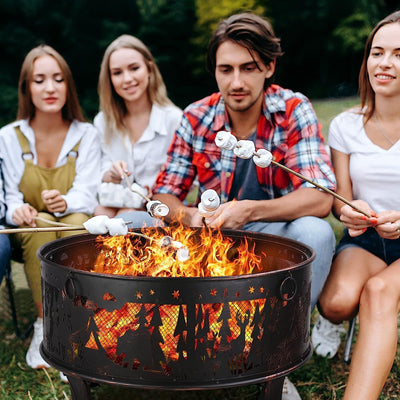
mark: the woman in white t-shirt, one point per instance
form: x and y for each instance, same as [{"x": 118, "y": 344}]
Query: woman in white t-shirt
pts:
[
  {"x": 136, "y": 124},
  {"x": 365, "y": 274}
]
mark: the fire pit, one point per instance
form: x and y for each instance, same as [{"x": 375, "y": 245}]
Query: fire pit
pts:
[{"x": 176, "y": 333}]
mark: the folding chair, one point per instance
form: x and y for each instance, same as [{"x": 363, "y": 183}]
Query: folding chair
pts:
[
  {"x": 10, "y": 289},
  {"x": 349, "y": 340}
]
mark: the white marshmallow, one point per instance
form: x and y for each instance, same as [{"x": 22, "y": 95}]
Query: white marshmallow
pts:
[
  {"x": 132, "y": 199},
  {"x": 210, "y": 200},
  {"x": 97, "y": 225},
  {"x": 263, "y": 158},
  {"x": 116, "y": 226},
  {"x": 111, "y": 195},
  {"x": 157, "y": 209},
  {"x": 225, "y": 140},
  {"x": 183, "y": 254},
  {"x": 244, "y": 149},
  {"x": 203, "y": 212}
]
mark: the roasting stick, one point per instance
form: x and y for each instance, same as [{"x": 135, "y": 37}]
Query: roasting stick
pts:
[
  {"x": 338, "y": 196},
  {"x": 55, "y": 223},
  {"x": 48, "y": 229},
  {"x": 135, "y": 191},
  {"x": 263, "y": 158}
]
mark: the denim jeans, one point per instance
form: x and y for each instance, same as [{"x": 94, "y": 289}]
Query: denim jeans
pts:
[
  {"x": 139, "y": 219},
  {"x": 5, "y": 254},
  {"x": 312, "y": 231}
]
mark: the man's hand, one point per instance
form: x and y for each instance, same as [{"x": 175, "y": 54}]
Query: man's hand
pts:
[
  {"x": 25, "y": 215},
  {"x": 53, "y": 201},
  {"x": 231, "y": 215}
]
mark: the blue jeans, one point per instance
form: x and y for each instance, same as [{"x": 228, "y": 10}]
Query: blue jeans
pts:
[
  {"x": 312, "y": 231},
  {"x": 139, "y": 219},
  {"x": 5, "y": 255}
]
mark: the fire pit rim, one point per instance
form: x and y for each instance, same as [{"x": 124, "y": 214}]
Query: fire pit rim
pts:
[{"x": 46, "y": 248}]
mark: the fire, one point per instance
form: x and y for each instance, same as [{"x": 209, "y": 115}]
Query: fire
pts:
[
  {"x": 153, "y": 252},
  {"x": 145, "y": 254},
  {"x": 239, "y": 319}
]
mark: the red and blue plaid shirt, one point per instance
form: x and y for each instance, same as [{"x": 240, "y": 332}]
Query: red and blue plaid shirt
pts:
[{"x": 287, "y": 127}]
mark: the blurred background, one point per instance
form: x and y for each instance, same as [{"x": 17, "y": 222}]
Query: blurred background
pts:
[{"x": 323, "y": 41}]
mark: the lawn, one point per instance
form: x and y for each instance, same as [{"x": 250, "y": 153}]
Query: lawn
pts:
[{"x": 319, "y": 379}]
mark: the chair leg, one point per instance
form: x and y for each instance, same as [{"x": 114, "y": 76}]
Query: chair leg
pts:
[
  {"x": 349, "y": 340},
  {"x": 10, "y": 288}
]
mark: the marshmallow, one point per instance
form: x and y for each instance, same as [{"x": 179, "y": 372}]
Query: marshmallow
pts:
[
  {"x": 116, "y": 226},
  {"x": 97, "y": 225},
  {"x": 225, "y": 140},
  {"x": 203, "y": 212},
  {"x": 244, "y": 149},
  {"x": 263, "y": 158},
  {"x": 111, "y": 195},
  {"x": 210, "y": 200},
  {"x": 132, "y": 199},
  {"x": 182, "y": 254},
  {"x": 165, "y": 241},
  {"x": 157, "y": 209}
]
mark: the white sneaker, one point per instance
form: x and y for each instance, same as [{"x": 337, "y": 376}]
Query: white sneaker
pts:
[
  {"x": 325, "y": 337},
  {"x": 33, "y": 357},
  {"x": 289, "y": 391},
  {"x": 63, "y": 377}
]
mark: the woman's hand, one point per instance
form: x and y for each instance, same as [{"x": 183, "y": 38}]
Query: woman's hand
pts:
[
  {"x": 53, "y": 201},
  {"x": 25, "y": 215},
  {"x": 117, "y": 172},
  {"x": 356, "y": 222},
  {"x": 388, "y": 226}
]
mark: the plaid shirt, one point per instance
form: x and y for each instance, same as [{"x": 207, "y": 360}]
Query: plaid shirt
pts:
[{"x": 287, "y": 127}]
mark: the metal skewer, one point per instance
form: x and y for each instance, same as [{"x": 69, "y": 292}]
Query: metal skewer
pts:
[{"x": 321, "y": 187}]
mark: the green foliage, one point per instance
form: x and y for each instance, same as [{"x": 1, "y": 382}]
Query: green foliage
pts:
[
  {"x": 322, "y": 41},
  {"x": 352, "y": 33}
]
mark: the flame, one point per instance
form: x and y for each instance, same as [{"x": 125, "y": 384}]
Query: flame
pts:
[
  {"x": 218, "y": 325},
  {"x": 113, "y": 325},
  {"x": 211, "y": 254}
]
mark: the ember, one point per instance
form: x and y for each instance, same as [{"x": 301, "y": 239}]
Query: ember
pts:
[{"x": 164, "y": 254}]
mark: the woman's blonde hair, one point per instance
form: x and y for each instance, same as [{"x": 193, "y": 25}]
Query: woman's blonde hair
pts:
[
  {"x": 112, "y": 105},
  {"x": 26, "y": 109}
]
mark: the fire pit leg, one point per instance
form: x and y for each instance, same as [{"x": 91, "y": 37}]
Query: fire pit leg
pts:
[
  {"x": 80, "y": 389},
  {"x": 272, "y": 389}
]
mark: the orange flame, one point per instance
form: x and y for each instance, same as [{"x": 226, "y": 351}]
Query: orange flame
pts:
[
  {"x": 211, "y": 254},
  {"x": 143, "y": 254}
]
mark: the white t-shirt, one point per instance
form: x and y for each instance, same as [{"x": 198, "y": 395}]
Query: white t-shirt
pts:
[
  {"x": 374, "y": 171},
  {"x": 149, "y": 153}
]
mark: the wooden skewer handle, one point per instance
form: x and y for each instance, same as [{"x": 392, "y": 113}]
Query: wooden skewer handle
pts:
[
  {"x": 321, "y": 187},
  {"x": 135, "y": 191},
  {"x": 49, "y": 229}
]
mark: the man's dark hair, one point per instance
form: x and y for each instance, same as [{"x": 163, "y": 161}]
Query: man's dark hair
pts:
[{"x": 250, "y": 31}]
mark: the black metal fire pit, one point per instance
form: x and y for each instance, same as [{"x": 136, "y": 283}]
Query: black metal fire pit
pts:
[{"x": 176, "y": 333}]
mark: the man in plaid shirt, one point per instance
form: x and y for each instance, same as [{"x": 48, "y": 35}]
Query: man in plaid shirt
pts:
[{"x": 242, "y": 54}]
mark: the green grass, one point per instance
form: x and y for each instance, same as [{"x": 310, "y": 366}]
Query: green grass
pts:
[
  {"x": 329, "y": 108},
  {"x": 319, "y": 379}
]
